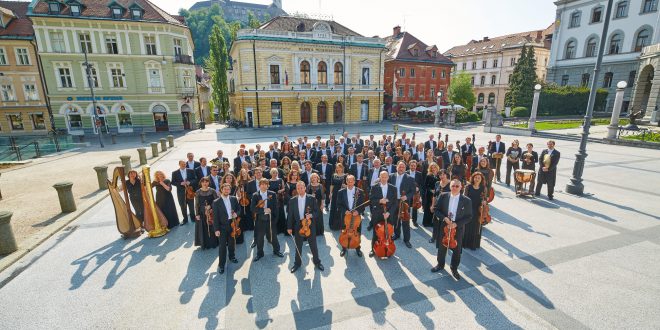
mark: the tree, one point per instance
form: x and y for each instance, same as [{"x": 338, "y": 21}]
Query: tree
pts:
[
  {"x": 217, "y": 62},
  {"x": 523, "y": 78},
  {"x": 253, "y": 21},
  {"x": 460, "y": 90}
]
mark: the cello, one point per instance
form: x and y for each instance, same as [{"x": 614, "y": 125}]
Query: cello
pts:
[
  {"x": 350, "y": 236},
  {"x": 449, "y": 238},
  {"x": 384, "y": 246}
]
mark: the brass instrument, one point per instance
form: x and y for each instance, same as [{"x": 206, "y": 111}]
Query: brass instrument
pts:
[
  {"x": 128, "y": 224},
  {"x": 528, "y": 158},
  {"x": 154, "y": 219},
  {"x": 546, "y": 161}
]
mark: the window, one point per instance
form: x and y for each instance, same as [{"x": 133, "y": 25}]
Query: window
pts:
[
  {"x": 400, "y": 92},
  {"x": 57, "y": 42},
  {"x": 472, "y": 81},
  {"x": 75, "y": 10},
  {"x": 585, "y": 80},
  {"x": 443, "y": 73},
  {"x": 491, "y": 98},
  {"x": 364, "y": 110},
  {"x": 136, "y": 13},
  {"x": 415, "y": 52},
  {"x": 464, "y": 66},
  {"x": 38, "y": 121},
  {"x": 621, "y": 9},
  {"x": 564, "y": 80},
  {"x": 433, "y": 73},
  {"x": 591, "y": 47},
  {"x": 484, "y": 64},
  {"x": 111, "y": 44},
  {"x": 8, "y": 93},
  {"x": 642, "y": 40},
  {"x": 365, "y": 77},
  {"x": 117, "y": 78},
  {"x": 432, "y": 94},
  {"x": 22, "y": 56},
  {"x": 596, "y": 15},
  {"x": 607, "y": 81},
  {"x": 570, "y": 50},
  {"x": 482, "y": 81},
  {"x": 187, "y": 79},
  {"x": 493, "y": 79},
  {"x": 411, "y": 92},
  {"x": 513, "y": 61},
  {"x": 93, "y": 74},
  {"x": 412, "y": 73},
  {"x": 75, "y": 122},
  {"x": 15, "y": 122},
  {"x": 339, "y": 74},
  {"x": 402, "y": 72},
  {"x": 480, "y": 98},
  {"x": 124, "y": 119},
  {"x": 495, "y": 63},
  {"x": 154, "y": 80},
  {"x": 85, "y": 43},
  {"x": 509, "y": 79},
  {"x": 304, "y": 73},
  {"x": 3, "y": 57},
  {"x": 53, "y": 8},
  {"x": 276, "y": 112},
  {"x": 178, "y": 48},
  {"x": 150, "y": 45},
  {"x": 274, "y": 74},
  {"x": 575, "y": 20},
  {"x": 649, "y": 6},
  {"x": 64, "y": 75},
  {"x": 30, "y": 92},
  {"x": 322, "y": 73},
  {"x": 631, "y": 78},
  {"x": 116, "y": 12},
  {"x": 474, "y": 65},
  {"x": 615, "y": 43}
]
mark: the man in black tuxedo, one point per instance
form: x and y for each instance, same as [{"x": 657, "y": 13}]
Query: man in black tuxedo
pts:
[
  {"x": 373, "y": 144},
  {"x": 251, "y": 188},
  {"x": 430, "y": 144},
  {"x": 191, "y": 163},
  {"x": 359, "y": 169},
  {"x": 454, "y": 210},
  {"x": 383, "y": 204},
  {"x": 350, "y": 157},
  {"x": 325, "y": 170},
  {"x": 302, "y": 207},
  {"x": 239, "y": 160},
  {"x": 405, "y": 189},
  {"x": 272, "y": 153},
  {"x": 468, "y": 150},
  {"x": 448, "y": 156},
  {"x": 548, "y": 173},
  {"x": 215, "y": 179},
  {"x": 220, "y": 159},
  {"x": 351, "y": 198},
  {"x": 307, "y": 172},
  {"x": 224, "y": 212},
  {"x": 496, "y": 147},
  {"x": 419, "y": 187},
  {"x": 419, "y": 154},
  {"x": 389, "y": 167},
  {"x": 266, "y": 219},
  {"x": 182, "y": 178},
  {"x": 201, "y": 171}
]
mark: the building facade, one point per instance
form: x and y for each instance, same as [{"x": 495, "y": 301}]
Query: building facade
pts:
[
  {"x": 299, "y": 71},
  {"x": 239, "y": 11},
  {"x": 23, "y": 107},
  {"x": 576, "y": 39},
  {"x": 490, "y": 62},
  {"x": 646, "y": 92},
  {"x": 140, "y": 63},
  {"x": 414, "y": 73}
]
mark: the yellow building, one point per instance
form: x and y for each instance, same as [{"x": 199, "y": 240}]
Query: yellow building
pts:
[
  {"x": 23, "y": 107},
  {"x": 306, "y": 71}
]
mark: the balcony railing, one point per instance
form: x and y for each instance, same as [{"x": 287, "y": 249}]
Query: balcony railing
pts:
[
  {"x": 186, "y": 91},
  {"x": 183, "y": 59}
]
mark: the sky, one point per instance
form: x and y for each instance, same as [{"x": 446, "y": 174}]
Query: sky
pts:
[{"x": 445, "y": 23}]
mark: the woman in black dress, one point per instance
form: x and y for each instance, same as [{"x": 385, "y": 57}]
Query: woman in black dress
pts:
[
  {"x": 290, "y": 191},
  {"x": 475, "y": 191},
  {"x": 338, "y": 182},
  {"x": 204, "y": 234},
  {"x": 484, "y": 168},
  {"x": 316, "y": 189},
  {"x": 431, "y": 178},
  {"x": 275, "y": 184},
  {"x": 164, "y": 199},
  {"x": 442, "y": 186},
  {"x": 134, "y": 188},
  {"x": 512, "y": 160},
  {"x": 457, "y": 169}
]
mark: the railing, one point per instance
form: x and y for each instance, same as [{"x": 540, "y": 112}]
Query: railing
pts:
[
  {"x": 22, "y": 147},
  {"x": 183, "y": 59},
  {"x": 307, "y": 35},
  {"x": 185, "y": 91}
]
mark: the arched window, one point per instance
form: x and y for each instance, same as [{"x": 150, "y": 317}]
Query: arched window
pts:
[
  {"x": 615, "y": 43},
  {"x": 491, "y": 98},
  {"x": 304, "y": 73},
  {"x": 338, "y": 110},
  {"x": 591, "y": 47},
  {"x": 305, "y": 113},
  {"x": 493, "y": 79},
  {"x": 339, "y": 73},
  {"x": 480, "y": 98},
  {"x": 322, "y": 112},
  {"x": 482, "y": 81},
  {"x": 607, "y": 81},
  {"x": 322, "y": 72},
  {"x": 570, "y": 50},
  {"x": 642, "y": 40}
]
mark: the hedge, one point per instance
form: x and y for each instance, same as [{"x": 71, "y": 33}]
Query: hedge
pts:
[
  {"x": 568, "y": 100},
  {"x": 519, "y": 112},
  {"x": 464, "y": 116}
]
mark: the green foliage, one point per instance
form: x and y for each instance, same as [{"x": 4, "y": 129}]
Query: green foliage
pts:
[
  {"x": 568, "y": 100},
  {"x": 218, "y": 61},
  {"x": 519, "y": 112},
  {"x": 253, "y": 21},
  {"x": 464, "y": 116},
  {"x": 480, "y": 114},
  {"x": 568, "y": 124},
  {"x": 460, "y": 90},
  {"x": 523, "y": 79},
  {"x": 648, "y": 137}
]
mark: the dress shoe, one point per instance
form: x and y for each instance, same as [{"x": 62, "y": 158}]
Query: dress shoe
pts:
[
  {"x": 279, "y": 254},
  {"x": 221, "y": 270},
  {"x": 432, "y": 240},
  {"x": 257, "y": 258},
  {"x": 550, "y": 198},
  {"x": 371, "y": 254},
  {"x": 395, "y": 237},
  {"x": 233, "y": 260},
  {"x": 415, "y": 224},
  {"x": 408, "y": 245},
  {"x": 342, "y": 253},
  {"x": 294, "y": 268},
  {"x": 358, "y": 252},
  {"x": 454, "y": 272},
  {"x": 537, "y": 194},
  {"x": 184, "y": 222},
  {"x": 320, "y": 267},
  {"x": 437, "y": 268},
  {"x": 254, "y": 243}
]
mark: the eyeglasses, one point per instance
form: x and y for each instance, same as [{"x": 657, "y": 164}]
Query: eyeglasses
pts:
[{"x": 456, "y": 186}]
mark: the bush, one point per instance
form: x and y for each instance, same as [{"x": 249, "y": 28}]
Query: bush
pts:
[
  {"x": 480, "y": 114},
  {"x": 519, "y": 112},
  {"x": 568, "y": 100},
  {"x": 464, "y": 116}
]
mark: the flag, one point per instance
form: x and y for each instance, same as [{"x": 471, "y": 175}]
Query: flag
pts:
[{"x": 286, "y": 77}]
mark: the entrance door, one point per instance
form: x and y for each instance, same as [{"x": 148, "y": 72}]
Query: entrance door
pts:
[
  {"x": 305, "y": 113},
  {"x": 338, "y": 112},
  {"x": 364, "y": 110},
  {"x": 249, "y": 119},
  {"x": 322, "y": 113},
  {"x": 160, "y": 121},
  {"x": 186, "y": 120}
]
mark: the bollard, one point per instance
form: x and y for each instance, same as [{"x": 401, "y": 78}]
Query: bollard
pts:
[
  {"x": 170, "y": 140},
  {"x": 163, "y": 145},
  {"x": 113, "y": 137},
  {"x": 143, "y": 137},
  {"x": 154, "y": 149},
  {"x": 126, "y": 161},
  {"x": 67, "y": 203},
  {"x": 7, "y": 240},
  {"x": 102, "y": 176},
  {"x": 142, "y": 152}
]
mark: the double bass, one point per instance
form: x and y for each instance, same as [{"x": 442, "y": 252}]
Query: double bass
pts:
[
  {"x": 384, "y": 246},
  {"x": 449, "y": 238}
]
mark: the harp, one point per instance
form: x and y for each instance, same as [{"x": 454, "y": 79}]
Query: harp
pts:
[
  {"x": 128, "y": 224},
  {"x": 154, "y": 220}
]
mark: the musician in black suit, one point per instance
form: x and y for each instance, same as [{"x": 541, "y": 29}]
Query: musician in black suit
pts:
[
  {"x": 419, "y": 187},
  {"x": 371, "y": 142},
  {"x": 307, "y": 172},
  {"x": 405, "y": 189},
  {"x": 251, "y": 188},
  {"x": 191, "y": 163},
  {"x": 455, "y": 210},
  {"x": 389, "y": 167},
  {"x": 265, "y": 219},
  {"x": 325, "y": 170},
  {"x": 182, "y": 178},
  {"x": 272, "y": 153},
  {"x": 201, "y": 171},
  {"x": 215, "y": 179},
  {"x": 383, "y": 204},
  {"x": 448, "y": 156},
  {"x": 349, "y": 201},
  {"x": 468, "y": 149},
  {"x": 220, "y": 159},
  {"x": 419, "y": 154},
  {"x": 548, "y": 174},
  {"x": 239, "y": 160},
  {"x": 301, "y": 207},
  {"x": 496, "y": 147},
  {"x": 430, "y": 144},
  {"x": 359, "y": 169},
  {"x": 225, "y": 210}
]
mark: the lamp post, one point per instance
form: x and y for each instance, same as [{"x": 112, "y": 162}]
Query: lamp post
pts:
[
  {"x": 576, "y": 187},
  {"x": 535, "y": 107},
  {"x": 437, "y": 112},
  {"x": 90, "y": 83}
]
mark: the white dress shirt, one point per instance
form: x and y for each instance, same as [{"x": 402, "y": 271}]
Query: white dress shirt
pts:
[
  {"x": 383, "y": 188},
  {"x": 399, "y": 179},
  {"x": 184, "y": 174},
  {"x": 453, "y": 206},
  {"x": 301, "y": 206},
  {"x": 350, "y": 193},
  {"x": 191, "y": 165},
  {"x": 227, "y": 202}
]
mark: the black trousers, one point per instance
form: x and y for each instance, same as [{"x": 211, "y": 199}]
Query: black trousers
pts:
[
  {"x": 548, "y": 178},
  {"x": 226, "y": 243},
  {"x": 442, "y": 250},
  {"x": 509, "y": 167},
  {"x": 495, "y": 164},
  {"x": 406, "y": 229},
  {"x": 312, "y": 246},
  {"x": 264, "y": 228},
  {"x": 190, "y": 204},
  {"x": 413, "y": 216}
]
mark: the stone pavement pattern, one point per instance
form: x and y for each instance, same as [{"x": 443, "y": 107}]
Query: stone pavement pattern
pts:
[{"x": 575, "y": 262}]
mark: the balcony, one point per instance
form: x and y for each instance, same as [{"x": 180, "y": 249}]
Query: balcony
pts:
[
  {"x": 186, "y": 91},
  {"x": 183, "y": 59}
]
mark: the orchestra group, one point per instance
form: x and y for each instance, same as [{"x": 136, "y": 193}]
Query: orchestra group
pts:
[{"x": 287, "y": 187}]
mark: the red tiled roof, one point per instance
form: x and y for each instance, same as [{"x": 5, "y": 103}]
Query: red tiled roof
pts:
[
  {"x": 400, "y": 47},
  {"x": 496, "y": 44},
  {"x": 100, "y": 9},
  {"x": 20, "y": 26}
]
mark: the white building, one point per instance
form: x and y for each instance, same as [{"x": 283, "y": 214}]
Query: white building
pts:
[{"x": 579, "y": 24}]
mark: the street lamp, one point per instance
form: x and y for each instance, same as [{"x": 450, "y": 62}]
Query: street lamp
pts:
[
  {"x": 90, "y": 83},
  {"x": 535, "y": 106},
  {"x": 437, "y": 112},
  {"x": 576, "y": 187}
]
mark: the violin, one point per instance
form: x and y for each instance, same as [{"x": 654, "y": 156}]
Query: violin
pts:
[
  {"x": 404, "y": 210},
  {"x": 350, "y": 237},
  {"x": 417, "y": 200},
  {"x": 384, "y": 246},
  {"x": 236, "y": 227},
  {"x": 449, "y": 238},
  {"x": 485, "y": 218},
  {"x": 243, "y": 200},
  {"x": 209, "y": 217},
  {"x": 305, "y": 231},
  {"x": 190, "y": 194}
]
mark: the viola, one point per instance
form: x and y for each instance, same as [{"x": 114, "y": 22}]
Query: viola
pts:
[
  {"x": 305, "y": 223},
  {"x": 449, "y": 238},
  {"x": 384, "y": 246},
  {"x": 404, "y": 210}
]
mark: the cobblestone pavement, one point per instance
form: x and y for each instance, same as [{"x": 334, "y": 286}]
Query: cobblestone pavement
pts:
[{"x": 574, "y": 262}]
